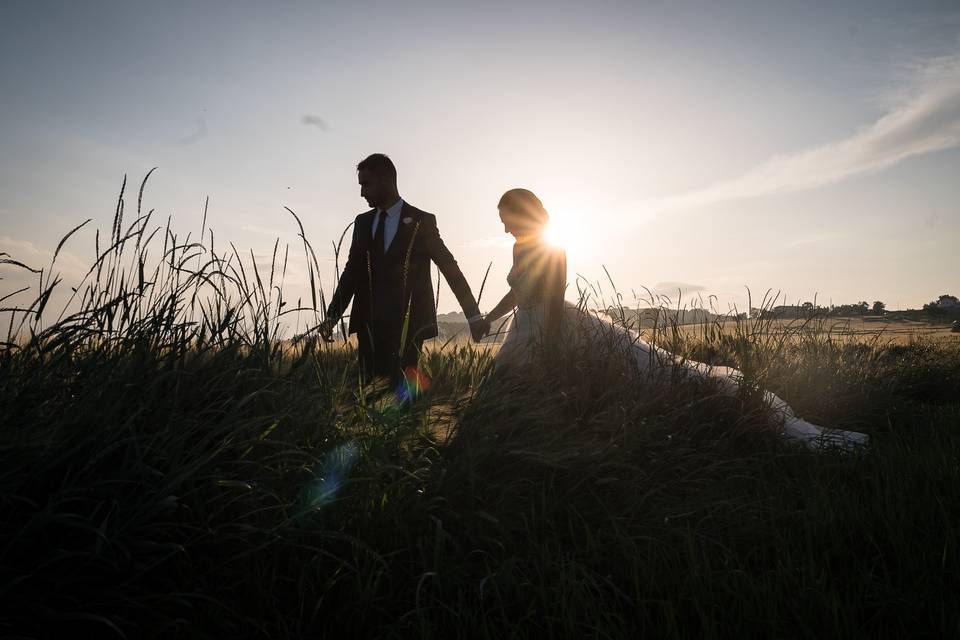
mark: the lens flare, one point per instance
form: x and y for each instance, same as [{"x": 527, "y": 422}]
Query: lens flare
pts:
[
  {"x": 414, "y": 383},
  {"x": 331, "y": 474}
]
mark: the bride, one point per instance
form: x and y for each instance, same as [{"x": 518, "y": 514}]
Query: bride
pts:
[{"x": 537, "y": 282}]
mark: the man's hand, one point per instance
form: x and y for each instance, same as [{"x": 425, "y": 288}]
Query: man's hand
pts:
[
  {"x": 479, "y": 328},
  {"x": 325, "y": 329}
]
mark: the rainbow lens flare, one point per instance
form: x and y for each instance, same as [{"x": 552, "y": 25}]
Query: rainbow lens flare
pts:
[
  {"x": 331, "y": 473},
  {"x": 413, "y": 384}
]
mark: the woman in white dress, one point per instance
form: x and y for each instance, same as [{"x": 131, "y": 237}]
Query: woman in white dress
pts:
[{"x": 537, "y": 282}]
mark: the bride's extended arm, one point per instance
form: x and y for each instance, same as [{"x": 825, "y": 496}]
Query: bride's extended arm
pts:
[{"x": 503, "y": 307}]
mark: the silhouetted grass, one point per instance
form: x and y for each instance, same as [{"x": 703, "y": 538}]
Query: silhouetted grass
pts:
[{"x": 171, "y": 465}]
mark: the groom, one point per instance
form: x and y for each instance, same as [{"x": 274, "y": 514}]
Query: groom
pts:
[{"x": 388, "y": 277}]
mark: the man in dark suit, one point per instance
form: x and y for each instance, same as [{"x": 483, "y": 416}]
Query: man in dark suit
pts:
[{"x": 387, "y": 276}]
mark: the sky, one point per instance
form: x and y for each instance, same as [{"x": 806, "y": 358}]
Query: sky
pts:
[{"x": 691, "y": 149}]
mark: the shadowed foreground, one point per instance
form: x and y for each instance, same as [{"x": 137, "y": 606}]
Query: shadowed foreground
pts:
[
  {"x": 211, "y": 495},
  {"x": 172, "y": 473}
]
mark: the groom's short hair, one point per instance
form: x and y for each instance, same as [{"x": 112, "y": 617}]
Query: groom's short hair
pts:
[{"x": 380, "y": 164}]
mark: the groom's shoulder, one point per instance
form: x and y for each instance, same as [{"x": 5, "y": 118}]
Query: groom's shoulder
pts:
[
  {"x": 424, "y": 215},
  {"x": 363, "y": 217}
]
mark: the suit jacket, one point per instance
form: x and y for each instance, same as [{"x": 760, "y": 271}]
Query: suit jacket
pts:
[{"x": 385, "y": 287}]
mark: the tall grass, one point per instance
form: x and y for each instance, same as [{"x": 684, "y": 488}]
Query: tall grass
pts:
[{"x": 173, "y": 463}]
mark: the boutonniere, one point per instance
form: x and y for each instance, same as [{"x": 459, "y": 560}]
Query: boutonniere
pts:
[{"x": 407, "y": 220}]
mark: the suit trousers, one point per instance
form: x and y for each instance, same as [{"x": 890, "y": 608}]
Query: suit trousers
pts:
[{"x": 380, "y": 353}]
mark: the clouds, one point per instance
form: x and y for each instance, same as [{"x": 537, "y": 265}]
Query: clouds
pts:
[
  {"x": 270, "y": 232},
  {"x": 316, "y": 121},
  {"x": 809, "y": 240},
  {"x": 21, "y": 250},
  {"x": 925, "y": 119},
  {"x": 14, "y": 278},
  {"x": 68, "y": 265},
  {"x": 502, "y": 241},
  {"x": 672, "y": 287}
]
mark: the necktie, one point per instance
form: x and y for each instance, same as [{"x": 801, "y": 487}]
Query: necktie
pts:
[{"x": 378, "y": 235}]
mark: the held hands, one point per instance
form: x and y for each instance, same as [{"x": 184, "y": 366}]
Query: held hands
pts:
[
  {"x": 325, "y": 329},
  {"x": 479, "y": 328}
]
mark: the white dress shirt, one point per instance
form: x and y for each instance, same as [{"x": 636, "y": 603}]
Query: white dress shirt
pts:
[{"x": 390, "y": 227}]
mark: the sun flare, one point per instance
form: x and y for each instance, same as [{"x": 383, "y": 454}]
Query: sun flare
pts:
[
  {"x": 564, "y": 231},
  {"x": 557, "y": 235}
]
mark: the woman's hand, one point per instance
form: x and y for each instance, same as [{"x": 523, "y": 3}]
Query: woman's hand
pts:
[{"x": 479, "y": 328}]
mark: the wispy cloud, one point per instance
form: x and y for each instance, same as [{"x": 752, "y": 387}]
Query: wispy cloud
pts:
[
  {"x": 68, "y": 267},
  {"x": 502, "y": 241},
  {"x": 197, "y": 135},
  {"x": 672, "y": 287},
  {"x": 283, "y": 234},
  {"x": 22, "y": 250},
  {"x": 926, "y": 118},
  {"x": 316, "y": 121},
  {"x": 814, "y": 239},
  {"x": 68, "y": 264}
]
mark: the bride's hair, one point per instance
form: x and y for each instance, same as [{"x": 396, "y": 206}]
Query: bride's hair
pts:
[{"x": 524, "y": 203}]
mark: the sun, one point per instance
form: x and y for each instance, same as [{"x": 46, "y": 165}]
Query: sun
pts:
[
  {"x": 556, "y": 235},
  {"x": 564, "y": 231}
]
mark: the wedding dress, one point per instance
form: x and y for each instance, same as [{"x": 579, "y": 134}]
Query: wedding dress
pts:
[{"x": 584, "y": 329}]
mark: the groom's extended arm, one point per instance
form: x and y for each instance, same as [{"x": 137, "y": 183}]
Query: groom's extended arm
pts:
[
  {"x": 448, "y": 266},
  {"x": 351, "y": 275}
]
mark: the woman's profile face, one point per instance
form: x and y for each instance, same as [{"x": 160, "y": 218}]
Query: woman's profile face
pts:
[
  {"x": 509, "y": 220},
  {"x": 515, "y": 224}
]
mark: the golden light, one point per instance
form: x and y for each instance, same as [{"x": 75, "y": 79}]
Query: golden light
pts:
[{"x": 566, "y": 230}]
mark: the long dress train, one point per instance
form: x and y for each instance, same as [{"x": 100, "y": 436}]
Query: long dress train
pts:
[{"x": 585, "y": 328}]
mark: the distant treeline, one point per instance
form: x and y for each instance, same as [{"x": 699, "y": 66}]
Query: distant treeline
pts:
[{"x": 946, "y": 307}]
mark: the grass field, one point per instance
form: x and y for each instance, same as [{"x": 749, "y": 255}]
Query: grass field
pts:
[
  {"x": 876, "y": 330},
  {"x": 170, "y": 469},
  {"x": 857, "y": 329}
]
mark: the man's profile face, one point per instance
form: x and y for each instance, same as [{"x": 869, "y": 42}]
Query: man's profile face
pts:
[{"x": 374, "y": 188}]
